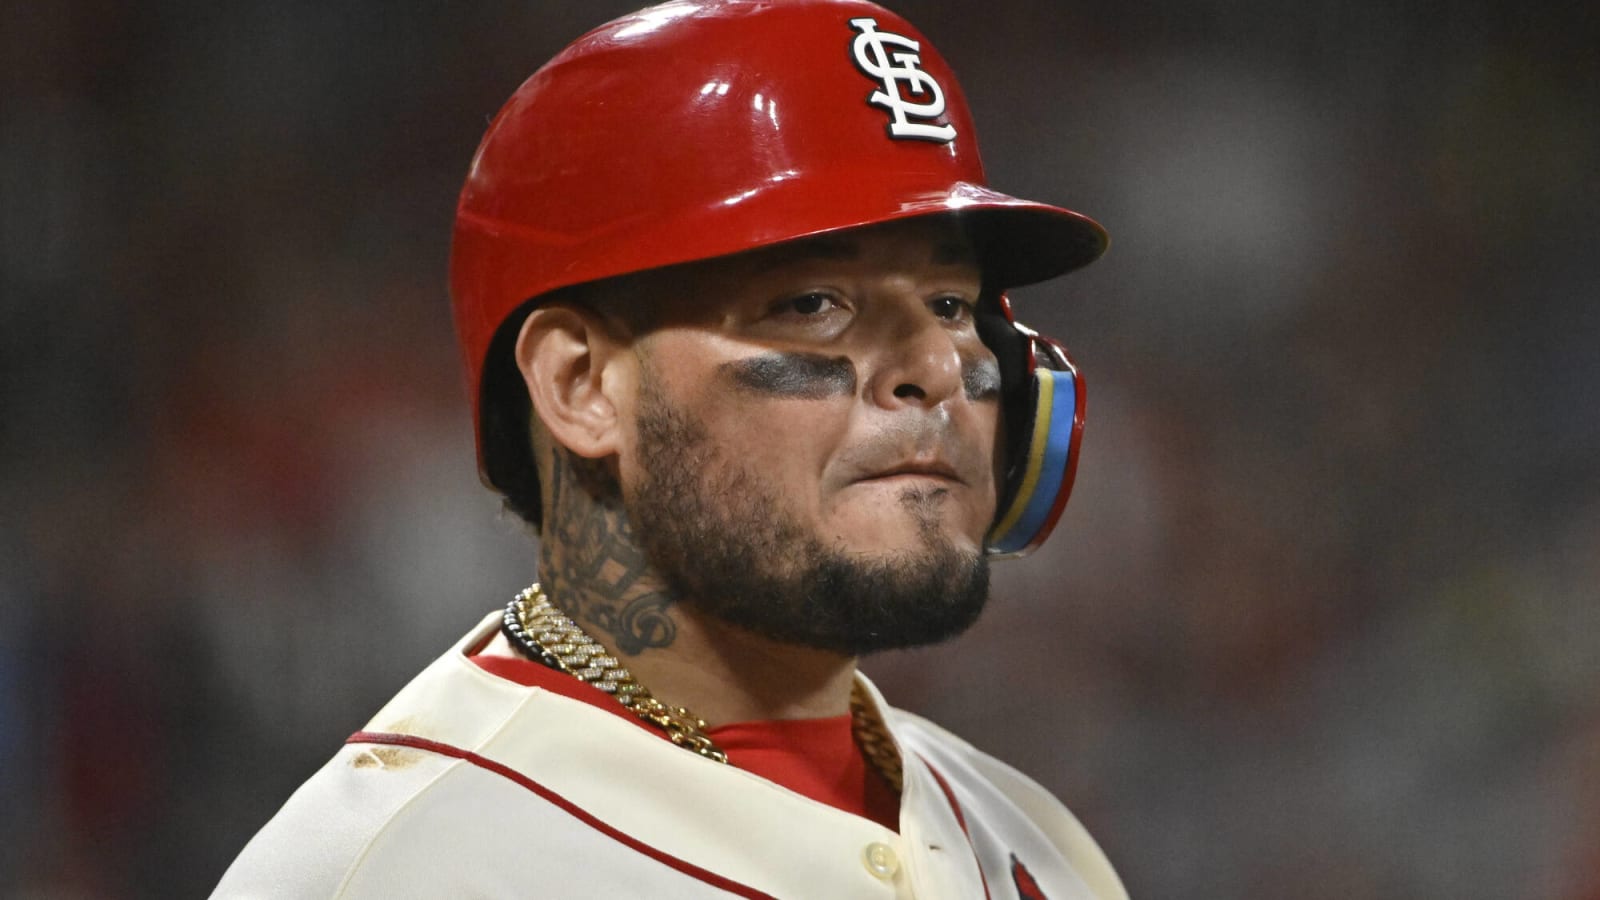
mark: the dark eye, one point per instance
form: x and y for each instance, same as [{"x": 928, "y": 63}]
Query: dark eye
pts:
[
  {"x": 951, "y": 307},
  {"x": 809, "y": 304}
]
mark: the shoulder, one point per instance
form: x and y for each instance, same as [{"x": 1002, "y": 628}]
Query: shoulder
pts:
[
  {"x": 965, "y": 765},
  {"x": 386, "y": 820},
  {"x": 327, "y": 829},
  {"x": 385, "y": 801},
  {"x": 466, "y": 784},
  {"x": 1001, "y": 803}
]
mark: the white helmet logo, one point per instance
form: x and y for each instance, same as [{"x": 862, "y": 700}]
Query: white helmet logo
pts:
[{"x": 900, "y": 73}]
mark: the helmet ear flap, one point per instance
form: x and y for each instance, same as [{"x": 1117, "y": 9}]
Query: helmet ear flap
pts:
[
  {"x": 505, "y": 448},
  {"x": 1013, "y": 352},
  {"x": 1044, "y": 424}
]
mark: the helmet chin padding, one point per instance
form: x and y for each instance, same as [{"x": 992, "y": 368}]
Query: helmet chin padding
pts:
[{"x": 1043, "y": 403}]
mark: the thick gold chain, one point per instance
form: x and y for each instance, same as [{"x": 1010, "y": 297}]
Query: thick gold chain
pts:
[
  {"x": 872, "y": 736},
  {"x": 538, "y": 626},
  {"x": 542, "y": 631}
]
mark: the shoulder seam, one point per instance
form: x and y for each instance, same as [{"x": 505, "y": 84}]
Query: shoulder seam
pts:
[
  {"x": 495, "y": 767},
  {"x": 360, "y": 858}
]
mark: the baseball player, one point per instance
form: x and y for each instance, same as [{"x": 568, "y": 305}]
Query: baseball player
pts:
[{"x": 729, "y": 284}]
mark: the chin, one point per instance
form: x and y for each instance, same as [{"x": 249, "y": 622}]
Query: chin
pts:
[{"x": 897, "y": 535}]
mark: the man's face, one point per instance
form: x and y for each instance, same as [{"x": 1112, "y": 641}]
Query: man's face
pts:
[{"x": 814, "y": 446}]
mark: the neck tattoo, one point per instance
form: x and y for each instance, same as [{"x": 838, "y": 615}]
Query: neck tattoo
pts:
[{"x": 545, "y": 635}]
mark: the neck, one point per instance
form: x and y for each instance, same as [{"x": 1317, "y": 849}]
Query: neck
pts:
[
  {"x": 593, "y": 570},
  {"x": 726, "y": 674}
]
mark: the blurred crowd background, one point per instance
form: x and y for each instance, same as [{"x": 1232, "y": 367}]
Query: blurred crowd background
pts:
[{"x": 1323, "y": 620}]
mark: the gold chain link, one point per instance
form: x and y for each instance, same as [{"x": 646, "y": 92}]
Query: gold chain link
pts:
[
  {"x": 539, "y": 626},
  {"x": 872, "y": 736},
  {"x": 541, "y": 630}
]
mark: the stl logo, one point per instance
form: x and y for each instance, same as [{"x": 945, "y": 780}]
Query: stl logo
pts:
[{"x": 900, "y": 72}]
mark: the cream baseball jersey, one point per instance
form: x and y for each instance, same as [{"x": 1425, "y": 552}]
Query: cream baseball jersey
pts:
[{"x": 470, "y": 785}]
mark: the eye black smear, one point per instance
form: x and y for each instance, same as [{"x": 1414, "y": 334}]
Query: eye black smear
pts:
[
  {"x": 805, "y": 375},
  {"x": 981, "y": 379}
]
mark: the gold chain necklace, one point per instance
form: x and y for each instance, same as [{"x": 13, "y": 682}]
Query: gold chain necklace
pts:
[{"x": 541, "y": 631}]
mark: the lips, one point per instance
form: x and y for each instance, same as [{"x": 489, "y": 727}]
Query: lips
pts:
[
  {"x": 928, "y": 449},
  {"x": 937, "y": 469}
]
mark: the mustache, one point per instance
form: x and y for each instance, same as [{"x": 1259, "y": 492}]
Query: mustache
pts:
[{"x": 930, "y": 439}]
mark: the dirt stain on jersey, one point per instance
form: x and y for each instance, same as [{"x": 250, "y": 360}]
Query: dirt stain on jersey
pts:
[{"x": 385, "y": 758}]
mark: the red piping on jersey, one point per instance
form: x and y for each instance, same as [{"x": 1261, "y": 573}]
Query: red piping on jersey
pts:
[
  {"x": 960, "y": 820},
  {"x": 661, "y": 856}
]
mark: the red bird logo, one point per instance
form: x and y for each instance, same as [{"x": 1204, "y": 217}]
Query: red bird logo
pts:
[{"x": 1027, "y": 888}]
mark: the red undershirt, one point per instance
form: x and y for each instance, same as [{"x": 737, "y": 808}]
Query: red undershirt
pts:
[{"x": 815, "y": 758}]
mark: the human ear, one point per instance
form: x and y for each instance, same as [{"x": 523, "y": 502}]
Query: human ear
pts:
[{"x": 568, "y": 359}]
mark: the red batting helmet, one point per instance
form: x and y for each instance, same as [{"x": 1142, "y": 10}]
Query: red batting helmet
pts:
[{"x": 701, "y": 128}]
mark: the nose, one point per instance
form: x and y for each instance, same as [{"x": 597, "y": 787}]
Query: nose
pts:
[{"x": 921, "y": 364}]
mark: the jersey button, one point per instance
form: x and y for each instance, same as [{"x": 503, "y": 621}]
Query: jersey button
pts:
[{"x": 880, "y": 860}]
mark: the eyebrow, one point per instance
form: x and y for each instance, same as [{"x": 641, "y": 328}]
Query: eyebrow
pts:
[{"x": 952, "y": 253}]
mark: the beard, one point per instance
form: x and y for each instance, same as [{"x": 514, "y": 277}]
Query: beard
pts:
[{"x": 723, "y": 541}]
